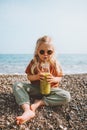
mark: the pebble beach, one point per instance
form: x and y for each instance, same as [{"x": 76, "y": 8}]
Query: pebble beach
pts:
[{"x": 72, "y": 116}]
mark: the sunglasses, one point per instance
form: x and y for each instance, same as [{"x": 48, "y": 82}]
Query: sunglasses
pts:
[{"x": 42, "y": 52}]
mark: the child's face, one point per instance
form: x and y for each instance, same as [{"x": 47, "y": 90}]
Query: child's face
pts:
[{"x": 45, "y": 52}]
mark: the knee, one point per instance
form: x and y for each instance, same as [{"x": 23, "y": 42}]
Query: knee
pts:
[
  {"x": 16, "y": 86},
  {"x": 67, "y": 97}
]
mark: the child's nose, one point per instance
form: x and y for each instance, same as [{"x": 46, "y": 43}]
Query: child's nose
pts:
[{"x": 45, "y": 53}]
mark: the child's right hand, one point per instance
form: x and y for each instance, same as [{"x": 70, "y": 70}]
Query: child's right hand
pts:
[{"x": 41, "y": 76}]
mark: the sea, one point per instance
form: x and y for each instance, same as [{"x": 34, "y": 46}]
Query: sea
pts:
[{"x": 17, "y": 63}]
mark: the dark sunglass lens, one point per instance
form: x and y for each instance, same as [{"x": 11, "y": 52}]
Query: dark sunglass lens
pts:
[
  {"x": 49, "y": 52},
  {"x": 41, "y": 52}
]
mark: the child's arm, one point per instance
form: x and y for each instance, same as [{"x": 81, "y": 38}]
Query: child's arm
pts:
[
  {"x": 38, "y": 76},
  {"x": 33, "y": 77},
  {"x": 53, "y": 79},
  {"x": 56, "y": 79}
]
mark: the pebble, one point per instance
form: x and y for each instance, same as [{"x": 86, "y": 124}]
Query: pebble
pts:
[{"x": 68, "y": 117}]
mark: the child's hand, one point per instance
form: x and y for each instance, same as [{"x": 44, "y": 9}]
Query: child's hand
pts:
[
  {"x": 42, "y": 76},
  {"x": 48, "y": 77},
  {"x": 52, "y": 79}
]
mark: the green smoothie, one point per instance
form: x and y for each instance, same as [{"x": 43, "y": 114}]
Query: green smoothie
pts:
[{"x": 44, "y": 85}]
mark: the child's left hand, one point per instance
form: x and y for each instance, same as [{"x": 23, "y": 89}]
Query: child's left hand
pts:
[{"x": 52, "y": 79}]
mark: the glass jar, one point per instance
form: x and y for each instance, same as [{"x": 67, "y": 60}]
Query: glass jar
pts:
[{"x": 44, "y": 85}]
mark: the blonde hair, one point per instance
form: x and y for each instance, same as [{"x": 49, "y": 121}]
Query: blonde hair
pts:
[{"x": 44, "y": 40}]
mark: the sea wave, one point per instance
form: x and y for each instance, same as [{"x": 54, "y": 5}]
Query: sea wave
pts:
[{"x": 17, "y": 63}]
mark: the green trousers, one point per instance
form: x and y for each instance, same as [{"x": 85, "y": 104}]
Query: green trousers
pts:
[{"x": 23, "y": 92}]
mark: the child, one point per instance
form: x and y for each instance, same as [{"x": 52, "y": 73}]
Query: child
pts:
[{"x": 44, "y": 52}]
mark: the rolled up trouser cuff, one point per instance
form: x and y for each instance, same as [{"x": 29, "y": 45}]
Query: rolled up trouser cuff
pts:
[{"x": 21, "y": 103}]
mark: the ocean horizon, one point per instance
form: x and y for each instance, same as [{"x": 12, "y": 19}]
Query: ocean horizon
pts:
[{"x": 17, "y": 63}]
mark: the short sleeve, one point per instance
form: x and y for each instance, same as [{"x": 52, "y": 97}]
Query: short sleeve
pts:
[
  {"x": 56, "y": 70},
  {"x": 60, "y": 71},
  {"x": 28, "y": 68}
]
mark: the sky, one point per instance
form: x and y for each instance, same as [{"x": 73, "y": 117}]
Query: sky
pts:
[{"x": 22, "y": 22}]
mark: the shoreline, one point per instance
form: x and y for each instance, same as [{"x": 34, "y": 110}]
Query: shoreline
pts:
[
  {"x": 11, "y": 78},
  {"x": 24, "y": 74}
]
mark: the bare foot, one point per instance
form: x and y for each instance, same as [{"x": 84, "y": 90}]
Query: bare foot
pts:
[
  {"x": 36, "y": 104},
  {"x": 27, "y": 115}
]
